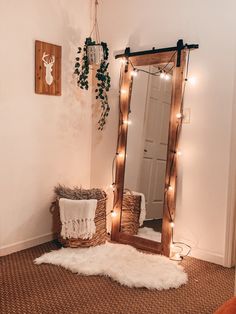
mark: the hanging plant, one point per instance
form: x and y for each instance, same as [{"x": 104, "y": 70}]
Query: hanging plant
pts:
[
  {"x": 95, "y": 53},
  {"x": 87, "y": 56}
]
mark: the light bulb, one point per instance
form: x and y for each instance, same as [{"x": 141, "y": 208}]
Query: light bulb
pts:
[
  {"x": 113, "y": 186},
  {"x": 113, "y": 213},
  {"x": 134, "y": 73},
  {"x": 127, "y": 122},
  {"x": 192, "y": 80},
  {"x": 172, "y": 224},
  {"x": 162, "y": 75},
  {"x": 179, "y": 153},
  {"x": 121, "y": 155},
  {"x": 167, "y": 76},
  {"x": 123, "y": 91},
  {"x": 122, "y": 61},
  {"x": 179, "y": 115},
  {"x": 170, "y": 188}
]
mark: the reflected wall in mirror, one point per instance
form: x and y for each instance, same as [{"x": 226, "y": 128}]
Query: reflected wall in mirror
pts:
[{"x": 147, "y": 143}]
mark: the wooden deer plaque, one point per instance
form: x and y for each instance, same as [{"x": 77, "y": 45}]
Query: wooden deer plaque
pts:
[{"x": 47, "y": 68}]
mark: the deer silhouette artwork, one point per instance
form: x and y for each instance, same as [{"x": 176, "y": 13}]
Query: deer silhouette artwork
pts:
[{"x": 48, "y": 65}]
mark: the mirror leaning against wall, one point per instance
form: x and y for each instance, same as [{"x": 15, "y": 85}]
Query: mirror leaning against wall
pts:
[{"x": 150, "y": 120}]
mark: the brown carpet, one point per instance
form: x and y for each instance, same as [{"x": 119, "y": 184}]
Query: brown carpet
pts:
[{"x": 26, "y": 288}]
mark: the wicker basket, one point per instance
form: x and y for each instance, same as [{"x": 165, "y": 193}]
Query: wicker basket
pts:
[
  {"x": 130, "y": 213},
  {"x": 100, "y": 235}
]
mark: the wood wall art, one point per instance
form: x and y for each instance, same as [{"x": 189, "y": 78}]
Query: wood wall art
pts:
[{"x": 47, "y": 68}]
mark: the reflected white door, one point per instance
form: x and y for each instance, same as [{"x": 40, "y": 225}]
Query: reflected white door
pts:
[{"x": 152, "y": 179}]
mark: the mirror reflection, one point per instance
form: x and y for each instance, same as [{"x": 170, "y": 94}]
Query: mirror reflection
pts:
[{"x": 142, "y": 209}]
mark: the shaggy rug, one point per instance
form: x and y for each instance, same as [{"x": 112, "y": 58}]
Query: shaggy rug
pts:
[{"x": 122, "y": 263}]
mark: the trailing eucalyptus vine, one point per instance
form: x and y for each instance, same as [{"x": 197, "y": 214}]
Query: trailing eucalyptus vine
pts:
[{"x": 103, "y": 78}]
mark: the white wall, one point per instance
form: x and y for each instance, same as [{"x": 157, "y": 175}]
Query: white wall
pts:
[
  {"x": 44, "y": 139},
  {"x": 204, "y": 166}
]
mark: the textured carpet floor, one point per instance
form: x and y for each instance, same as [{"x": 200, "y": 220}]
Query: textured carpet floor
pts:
[{"x": 26, "y": 288}]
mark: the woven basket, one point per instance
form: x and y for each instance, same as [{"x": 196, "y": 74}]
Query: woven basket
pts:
[
  {"x": 130, "y": 213},
  {"x": 100, "y": 235}
]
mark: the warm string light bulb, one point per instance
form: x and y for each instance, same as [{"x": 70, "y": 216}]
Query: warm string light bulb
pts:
[
  {"x": 113, "y": 187},
  {"x": 192, "y": 80},
  {"x": 170, "y": 188},
  {"x": 162, "y": 75},
  {"x": 166, "y": 76},
  {"x": 123, "y": 91},
  {"x": 127, "y": 122},
  {"x": 172, "y": 224},
  {"x": 179, "y": 115},
  {"x": 113, "y": 213},
  {"x": 178, "y": 153},
  {"x": 134, "y": 72},
  {"x": 123, "y": 61},
  {"x": 121, "y": 155}
]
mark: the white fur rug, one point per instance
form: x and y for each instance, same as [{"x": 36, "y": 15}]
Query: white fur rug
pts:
[{"x": 120, "y": 262}]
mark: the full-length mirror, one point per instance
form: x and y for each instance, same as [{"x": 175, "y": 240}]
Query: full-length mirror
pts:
[
  {"x": 150, "y": 120},
  {"x": 146, "y": 153}
]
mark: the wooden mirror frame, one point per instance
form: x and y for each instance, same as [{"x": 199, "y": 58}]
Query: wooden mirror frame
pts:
[{"x": 126, "y": 79}]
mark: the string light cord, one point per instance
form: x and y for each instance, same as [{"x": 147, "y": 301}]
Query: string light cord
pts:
[
  {"x": 160, "y": 70},
  {"x": 181, "y": 256},
  {"x": 113, "y": 169},
  {"x": 182, "y": 243},
  {"x": 157, "y": 73}
]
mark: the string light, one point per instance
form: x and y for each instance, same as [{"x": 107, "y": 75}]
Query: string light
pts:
[
  {"x": 192, "y": 80},
  {"x": 164, "y": 75},
  {"x": 179, "y": 115},
  {"x": 113, "y": 186},
  {"x": 167, "y": 76},
  {"x": 113, "y": 213},
  {"x": 123, "y": 61},
  {"x": 134, "y": 72},
  {"x": 127, "y": 122},
  {"x": 121, "y": 155}
]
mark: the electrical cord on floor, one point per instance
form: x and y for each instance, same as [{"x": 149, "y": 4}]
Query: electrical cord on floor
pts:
[{"x": 180, "y": 256}]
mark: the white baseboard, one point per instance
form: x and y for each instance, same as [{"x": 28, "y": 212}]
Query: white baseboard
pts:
[
  {"x": 22, "y": 245},
  {"x": 25, "y": 244},
  {"x": 208, "y": 256}
]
